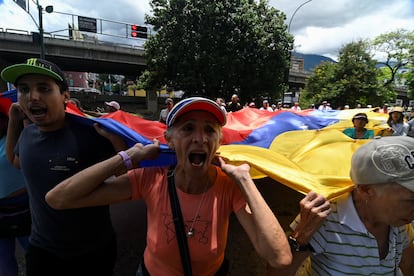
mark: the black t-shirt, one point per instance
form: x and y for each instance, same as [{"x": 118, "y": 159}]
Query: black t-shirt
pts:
[
  {"x": 47, "y": 158},
  {"x": 234, "y": 106}
]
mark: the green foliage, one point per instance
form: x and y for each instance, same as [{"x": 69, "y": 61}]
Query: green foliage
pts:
[
  {"x": 410, "y": 83},
  {"x": 319, "y": 85},
  {"x": 145, "y": 81},
  {"x": 410, "y": 75},
  {"x": 358, "y": 77},
  {"x": 393, "y": 49},
  {"x": 214, "y": 48},
  {"x": 352, "y": 80}
]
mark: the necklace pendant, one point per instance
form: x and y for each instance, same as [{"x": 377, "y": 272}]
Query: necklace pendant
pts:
[{"x": 190, "y": 232}]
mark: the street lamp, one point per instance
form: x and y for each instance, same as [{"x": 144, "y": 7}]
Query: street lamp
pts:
[
  {"x": 48, "y": 9},
  {"x": 293, "y": 15},
  {"x": 290, "y": 51}
]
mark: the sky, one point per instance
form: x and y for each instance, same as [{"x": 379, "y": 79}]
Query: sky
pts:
[{"x": 319, "y": 26}]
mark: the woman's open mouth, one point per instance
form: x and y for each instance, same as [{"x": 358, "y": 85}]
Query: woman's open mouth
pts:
[{"x": 197, "y": 158}]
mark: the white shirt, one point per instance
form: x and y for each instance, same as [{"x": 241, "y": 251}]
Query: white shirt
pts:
[
  {"x": 322, "y": 107},
  {"x": 343, "y": 245},
  {"x": 163, "y": 115},
  {"x": 268, "y": 109}
]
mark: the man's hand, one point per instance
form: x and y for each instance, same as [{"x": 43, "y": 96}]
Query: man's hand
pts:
[
  {"x": 314, "y": 209},
  {"x": 16, "y": 113},
  {"x": 117, "y": 141}
]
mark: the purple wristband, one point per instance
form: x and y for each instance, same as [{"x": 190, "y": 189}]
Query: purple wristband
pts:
[{"x": 127, "y": 159}]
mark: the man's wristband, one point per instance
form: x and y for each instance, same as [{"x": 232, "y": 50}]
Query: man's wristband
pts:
[
  {"x": 126, "y": 159},
  {"x": 295, "y": 246}
]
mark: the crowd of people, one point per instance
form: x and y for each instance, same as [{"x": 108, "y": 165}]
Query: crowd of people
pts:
[
  {"x": 234, "y": 105},
  {"x": 400, "y": 122},
  {"x": 70, "y": 173}
]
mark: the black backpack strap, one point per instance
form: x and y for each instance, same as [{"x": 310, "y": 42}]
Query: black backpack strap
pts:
[{"x": 179, "y": 225}]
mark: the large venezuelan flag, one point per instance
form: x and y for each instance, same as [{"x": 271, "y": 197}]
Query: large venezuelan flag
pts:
[
  {"x": 304, "y": 150},
  {"x": 6, "y": 99},
  {"x": 11, "y": 94}
]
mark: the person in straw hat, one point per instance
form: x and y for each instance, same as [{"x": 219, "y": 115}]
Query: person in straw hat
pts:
[{"x": 396, "y": 123}]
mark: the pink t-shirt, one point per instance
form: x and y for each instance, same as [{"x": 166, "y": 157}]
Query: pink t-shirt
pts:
[{"x": 207, "y": 245}]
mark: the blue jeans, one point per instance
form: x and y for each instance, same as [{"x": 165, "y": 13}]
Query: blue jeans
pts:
[{"x": 8, "y": 262}]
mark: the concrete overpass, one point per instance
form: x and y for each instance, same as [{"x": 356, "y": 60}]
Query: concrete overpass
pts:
[
  {"x": 93, "y": 55},
  {"x": 71, "y": 55}
]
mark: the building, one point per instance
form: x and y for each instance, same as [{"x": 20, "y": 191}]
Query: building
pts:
[{"x": 297, "y": 80}]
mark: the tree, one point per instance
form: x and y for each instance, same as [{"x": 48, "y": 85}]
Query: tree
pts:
[
  {"x": 357, "y": 77},
  {"x": 410, "y": 82},
  {"x": 214, "y": 48},
  {"x": 319, "y": 85},
  {"x": 410, "y": 75},
  {"x": 352, "y": 80},
  {"x": 393, "y": 51}
]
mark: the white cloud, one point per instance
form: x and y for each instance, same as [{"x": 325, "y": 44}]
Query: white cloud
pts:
[
  {"x": 319, "y": 26},
  {"x": 324, "y": 26}
]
